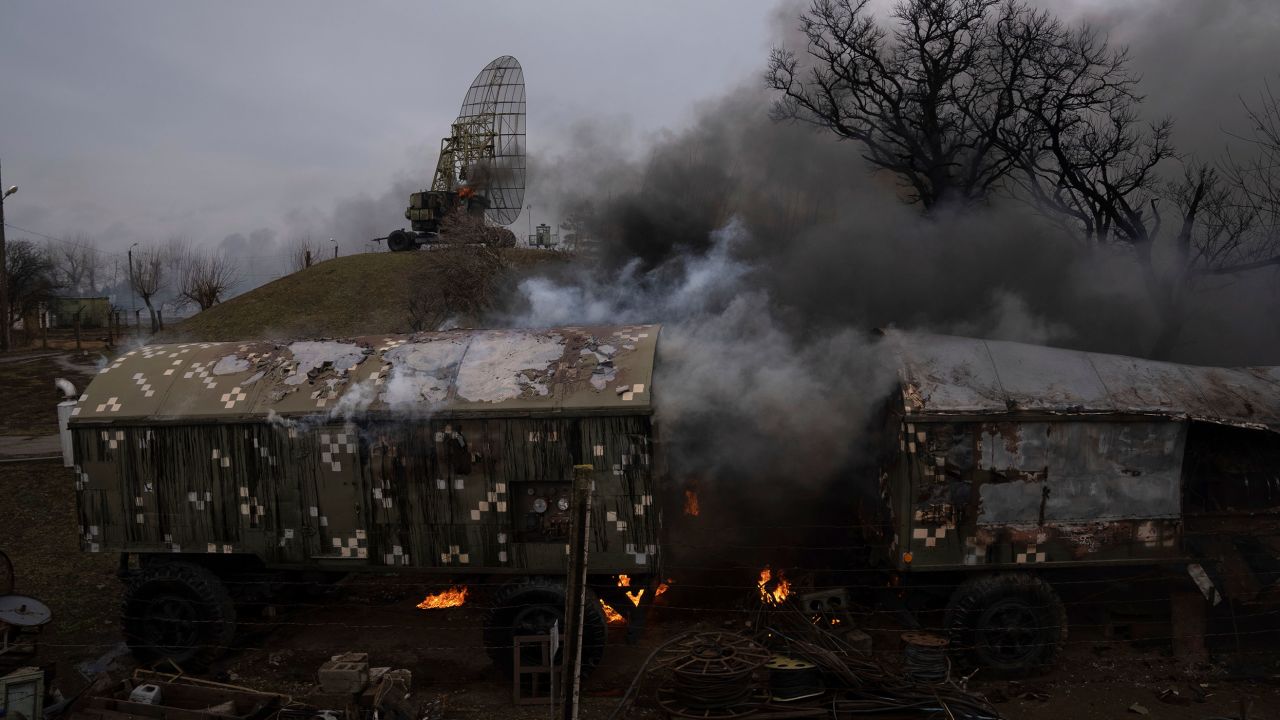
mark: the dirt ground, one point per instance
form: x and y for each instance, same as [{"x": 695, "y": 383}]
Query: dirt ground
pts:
[{"x": 1099, "y": 676}]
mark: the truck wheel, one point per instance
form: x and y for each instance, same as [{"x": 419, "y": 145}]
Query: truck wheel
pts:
[
  {"x": 399, "y": 241},
  {"x": 180, "y": 612},
  {"x": 531, "y": 607},
  {"x": 1010, "y": 623}
]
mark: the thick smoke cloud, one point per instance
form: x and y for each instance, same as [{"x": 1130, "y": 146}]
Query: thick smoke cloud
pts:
[{"x": 770, "y": 250}]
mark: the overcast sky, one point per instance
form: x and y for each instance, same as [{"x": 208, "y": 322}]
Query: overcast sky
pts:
[{"x": 135, "y": 121}]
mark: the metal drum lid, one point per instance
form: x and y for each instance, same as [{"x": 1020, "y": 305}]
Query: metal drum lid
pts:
[{"x": 23, "y": 611}]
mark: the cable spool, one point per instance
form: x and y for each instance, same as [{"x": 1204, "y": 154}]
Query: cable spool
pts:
[
  {"x": 925, "y": 657},
  {"x": 711, "y": 676},
  {"x": 792, "y": 679}
]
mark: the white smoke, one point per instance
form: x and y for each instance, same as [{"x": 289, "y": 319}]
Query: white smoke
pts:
[{"x": 739, "y": 390}]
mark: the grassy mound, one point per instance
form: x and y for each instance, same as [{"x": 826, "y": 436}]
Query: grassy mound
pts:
[{"x": 365, "y": 294}]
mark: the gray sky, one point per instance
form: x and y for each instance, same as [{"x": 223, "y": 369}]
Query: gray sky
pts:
[
  {"x": 132, "y": 121},
  {"x": 136, "y": 121}
]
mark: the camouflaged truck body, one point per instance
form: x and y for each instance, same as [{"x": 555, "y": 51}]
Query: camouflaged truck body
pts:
[
  {"x": 1002, "y": 454},
  {"x": 447, "y": 450}
]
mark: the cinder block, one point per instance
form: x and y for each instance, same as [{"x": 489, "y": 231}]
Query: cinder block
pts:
[
  {"x": 859, "y": 641},
  {"x": 347, "y": 673}
]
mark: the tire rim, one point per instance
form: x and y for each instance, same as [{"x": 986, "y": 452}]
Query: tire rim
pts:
[
  {"x": 535, "y": 620},
  {"x": 1010, "y": 632},
  {"x": 170, "y": 624}
]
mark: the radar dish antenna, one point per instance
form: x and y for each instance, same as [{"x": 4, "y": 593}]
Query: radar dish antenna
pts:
[{"x": 484, "y": 154}]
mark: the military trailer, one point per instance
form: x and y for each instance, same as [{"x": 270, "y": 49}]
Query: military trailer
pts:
[
  {"x": 215, "y": 470},
  {"x": 1007, "y": 466}
]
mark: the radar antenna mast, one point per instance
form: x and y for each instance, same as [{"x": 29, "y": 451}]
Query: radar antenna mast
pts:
[{"x": 481, "y": 168}]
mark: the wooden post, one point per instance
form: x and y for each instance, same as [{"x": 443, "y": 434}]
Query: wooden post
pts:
[
  {"x": 44, "y": 330},
  {"x": 576, "y": 588},
  {"x": 1190, "y": 619},
  {"x": 77, "y": 326},
  {"x": 160, "y": 318}
]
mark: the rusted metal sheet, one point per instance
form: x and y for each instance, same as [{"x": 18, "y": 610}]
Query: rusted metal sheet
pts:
[{"x": 945, "y": 375}]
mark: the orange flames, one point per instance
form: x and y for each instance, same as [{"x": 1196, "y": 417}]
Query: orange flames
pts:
[
  {"x": 624, "y": 581},
  {"x": 612, "y": 616},
  {"x": 635, "y": 595},
  {"x": 691, "y": 502},
  {"x": 781, "y": 587},
  {"x": 453, "y": 597}
]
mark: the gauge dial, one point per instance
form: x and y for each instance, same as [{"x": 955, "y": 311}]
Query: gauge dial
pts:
[
  {"x": 540, "y": 505},
  {"x": 563, "y": 504}
]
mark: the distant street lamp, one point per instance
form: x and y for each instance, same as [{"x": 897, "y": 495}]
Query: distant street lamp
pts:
[{"x": 4, "y": 277}]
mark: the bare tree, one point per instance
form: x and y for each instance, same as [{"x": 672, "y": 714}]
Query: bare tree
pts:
[
  {"x": 1098, "y": 168},
  {"x": 31, "y": 278},
  {"x": 964, "y": 98},
  {"x": 204, "y": 278},
  {"x": 937, "y": 100},
  {"x": 1256, "y": 173},
  {"x": 148, "y": 277},
  {"x": 304, "y": 254},
  {"x": 76, "y": 263}
]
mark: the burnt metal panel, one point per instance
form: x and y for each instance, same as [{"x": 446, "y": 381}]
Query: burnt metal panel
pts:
[
  {"x": 571, "y": 369},
  {"x": 945, "y": 376},
  {"x": 1030, "y": 493}
]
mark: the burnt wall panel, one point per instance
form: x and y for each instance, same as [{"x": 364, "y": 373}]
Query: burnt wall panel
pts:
[{"x": 1036, "y": 492}]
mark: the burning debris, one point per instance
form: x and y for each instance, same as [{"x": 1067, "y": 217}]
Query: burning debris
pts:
[
  {"x": 624, "y": 581},
  {"x": 613, "y": 617},
  {"x": 691, "y": 502},
  {"x": 453, "y": 597},
  {"x": 773, "y": 591}
]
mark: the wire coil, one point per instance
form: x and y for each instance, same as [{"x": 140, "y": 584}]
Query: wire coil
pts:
[{"x": 925, "y": 657}]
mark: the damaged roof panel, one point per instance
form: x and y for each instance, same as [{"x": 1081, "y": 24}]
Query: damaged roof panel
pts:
[
  {"x": 947, "y": 375},
  {"x": 459, "y": 371}
]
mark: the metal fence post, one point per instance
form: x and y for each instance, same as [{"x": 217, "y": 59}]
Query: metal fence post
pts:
[{"x": 576, "y": 588}]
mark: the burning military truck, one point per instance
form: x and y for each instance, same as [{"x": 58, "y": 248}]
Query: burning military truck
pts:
[
  {"x": 1006, "y": 468},
  {"x": 210, "y": 466}
]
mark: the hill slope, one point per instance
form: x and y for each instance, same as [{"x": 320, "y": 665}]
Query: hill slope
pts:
[{"x": 365, "y": 294}]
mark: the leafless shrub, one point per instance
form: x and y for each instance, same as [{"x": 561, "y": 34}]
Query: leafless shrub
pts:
[
  {"x": 148, "y": 276},
  {"x": 462, "y": 276},
  {"x": 205, "y": 278},
  {"x": 303, "y": 254}
]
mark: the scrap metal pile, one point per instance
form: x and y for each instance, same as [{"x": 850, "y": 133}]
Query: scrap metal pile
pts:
[{"x": 794, "y": 664}]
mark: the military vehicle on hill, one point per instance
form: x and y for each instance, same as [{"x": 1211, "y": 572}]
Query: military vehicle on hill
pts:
[
  {"x": 480, "y": 172},
  {"x": 217, "y": 469}
]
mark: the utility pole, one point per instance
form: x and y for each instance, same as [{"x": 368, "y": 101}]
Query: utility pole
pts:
[
  {"x": 4, "y": 276},
  {"x": 530, "y": 237},
  {"x": 133, "y": 298},
  {"x": 576, "y": 588}
]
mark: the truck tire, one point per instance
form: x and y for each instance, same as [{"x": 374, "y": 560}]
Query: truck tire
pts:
[
  {"x": 178, "y": 611},
  {"x": 530, "y": 607},
  {"x": 400, "y": 241},
  {"x": 1010, "y": 623}
]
